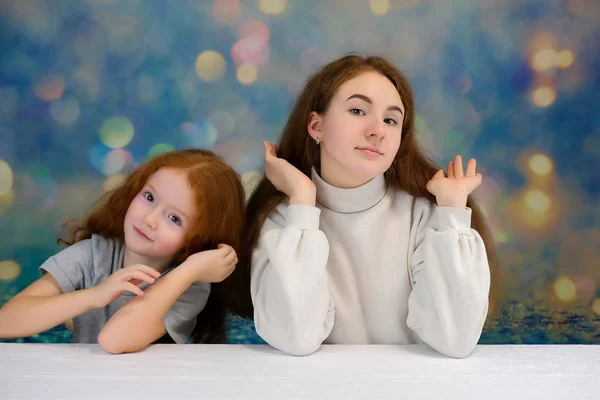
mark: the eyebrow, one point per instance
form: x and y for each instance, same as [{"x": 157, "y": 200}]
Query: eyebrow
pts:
[
  {"x": 368, "y": 100},
  {"x": 178, "y": 210}
]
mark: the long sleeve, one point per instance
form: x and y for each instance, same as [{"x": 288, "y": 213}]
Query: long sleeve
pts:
[
  {"x": 293, "y": 310},
  {"x": 450, "y": 275}
]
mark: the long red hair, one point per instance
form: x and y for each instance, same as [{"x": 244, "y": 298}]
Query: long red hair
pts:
[
  {"x": 410, "y": 170},
  {"x": 219, "y": 218}
]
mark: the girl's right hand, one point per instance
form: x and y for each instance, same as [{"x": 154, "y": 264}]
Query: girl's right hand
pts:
[
  {"x": 288, "y": 179},
  {"x": 124, "y": 280}
]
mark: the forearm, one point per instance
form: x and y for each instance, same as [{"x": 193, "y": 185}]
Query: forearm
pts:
[
  {"x": 449, "y": 302},
  {"x": 140, "y": 322},
  {"x": 289, "y": 284},
  {"x": 26, "y": 315}
]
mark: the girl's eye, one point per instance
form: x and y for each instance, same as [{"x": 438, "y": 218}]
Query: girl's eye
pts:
[
  {"x": 148, "y": 196},
  {"x": 390, "y": 121},
  {"x": 175, "y": 219},
  {"x": 357, "y": 111}
]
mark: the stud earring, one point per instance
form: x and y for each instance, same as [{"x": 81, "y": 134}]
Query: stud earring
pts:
[{"x": 318, "y": 141}]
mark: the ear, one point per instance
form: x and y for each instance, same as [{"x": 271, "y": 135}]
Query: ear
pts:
[{"x": 315, "y": 125}]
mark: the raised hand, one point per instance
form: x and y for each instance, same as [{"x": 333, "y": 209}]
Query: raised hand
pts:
[
  {"x": 453, "y": 190},
  {"x": 287, "y": 178},
  {"x": 212, "y": 265}
]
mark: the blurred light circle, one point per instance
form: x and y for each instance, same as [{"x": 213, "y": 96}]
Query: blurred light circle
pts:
[
  {"x": 50, "y": 87},
  {"x": 65, "y": 111},
  {"x": 256, "y": 29},
  {"x": 7, "y": 200},
  {"x": 223, "y": 121},
  {"x": 565, "y": 289},
  {"x": 113, "y": 182},
  {"x": 116, "y": 132},
  {"x": 159, "y": 148},
  {"x": 247, "y": 73},
  {"x": 272, "y": 7},
  {"x": 201, "y": 134},
  {"x": 565, "y": 58},
  {"x": 9, "y": 270},
  {"x": 540, "y": 164},
  {"x": 108, "y": 161},
  {"x": 543, "y": 96},
  {"x": 115, "y": 161},
  {"x": 250, "y": 50},
  {"x": 210, "y": 66},
  {"x": 226, "y": 10},
  {"x": 379, "y": 7},
  {"x": 6, "y": 177},
  {"x": 537, "y": 201}
]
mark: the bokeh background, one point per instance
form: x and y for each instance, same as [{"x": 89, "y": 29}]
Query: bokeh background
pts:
[{"x": 90, "y": 88}]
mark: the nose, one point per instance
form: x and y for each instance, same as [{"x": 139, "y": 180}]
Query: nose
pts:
[
  {"x": 376, "y": 129},
  {"x": 151, "y": 218}
]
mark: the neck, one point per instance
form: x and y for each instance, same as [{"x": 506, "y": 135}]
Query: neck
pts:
[
  {"x": 161, "y": 264},
  {"x": 349, "y": 201},
  {"x": 337, "y": 176}
]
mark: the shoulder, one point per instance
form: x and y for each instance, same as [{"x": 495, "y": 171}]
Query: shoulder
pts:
[
  {"x": 103, "y": 247},
  {"x": 81, "y": 249}
]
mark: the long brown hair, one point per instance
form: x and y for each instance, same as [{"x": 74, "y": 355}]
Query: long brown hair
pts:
[
  {"x": 410, "y": 171},
  {"x": 219, "y": 218}
]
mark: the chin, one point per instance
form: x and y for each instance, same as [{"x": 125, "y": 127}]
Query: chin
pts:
[{"x": 368, "y": 172}]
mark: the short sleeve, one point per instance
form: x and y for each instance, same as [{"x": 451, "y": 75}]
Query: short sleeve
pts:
[{"x": 180, "y": 320}]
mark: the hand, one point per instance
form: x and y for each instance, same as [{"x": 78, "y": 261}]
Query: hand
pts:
[
  {"x": 454, "y": 190},
  {"x": 288, "y": 179},
  {"x": 125, "y": 279},
  {"x": 212, "y": 265}
]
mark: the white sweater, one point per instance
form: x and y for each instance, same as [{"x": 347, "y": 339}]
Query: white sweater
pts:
[{"x": 370, "y": 265}]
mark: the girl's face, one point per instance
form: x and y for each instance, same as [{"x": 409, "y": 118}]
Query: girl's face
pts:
[
  {"x": 160, "y": 215},
  {"x": 360, "y": 132}
]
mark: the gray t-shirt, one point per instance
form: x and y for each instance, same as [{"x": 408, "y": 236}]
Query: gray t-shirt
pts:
[{"x": 89, "y": 262}]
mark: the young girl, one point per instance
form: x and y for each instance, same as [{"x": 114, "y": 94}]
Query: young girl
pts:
[
  {"x": 183, "y": 208},
  {"x": 353, "y": 235}
]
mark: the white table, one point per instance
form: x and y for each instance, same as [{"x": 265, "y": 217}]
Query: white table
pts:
[{"x": 69, "y": 371}]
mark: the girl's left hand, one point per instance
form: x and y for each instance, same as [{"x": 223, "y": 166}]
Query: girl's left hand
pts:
[
  {"x": 452, "y": 191},
  {"x": 213, "y": 265}
]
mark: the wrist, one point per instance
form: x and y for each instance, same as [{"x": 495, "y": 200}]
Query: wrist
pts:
[
  {"x": 91, "y": 298},
  {"x": 306, "y": 196},
  {"x": 460, "y": 203},
  {"x": 187, "y": 271}
]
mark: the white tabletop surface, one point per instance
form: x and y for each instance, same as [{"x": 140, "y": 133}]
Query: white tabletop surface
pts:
[{"x": 70, "y": 371}]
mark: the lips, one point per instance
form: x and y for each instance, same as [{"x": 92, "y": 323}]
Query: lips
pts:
[
  {"x": 142, "y": 234},
  {"x": 372, "y": 151}
]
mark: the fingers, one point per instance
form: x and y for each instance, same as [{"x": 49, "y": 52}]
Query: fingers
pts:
[
  {"x": 231, "y": 258},
  {"x": 228, "y": 270},
  {"x": 471, "y": 167},
  {"x": 147, "y": 270},
  {"x": 139, "y": 275},
  {"x": 458, "y": 167},
  {"x": 473, "y": 182},
  {"x": 270, "y": 150},
  {"x": 439, "y": 174},
  {"x": 130, "y": 287},
  {"x": 225, "y": 249},
  {"x": 450, "y": 170}
]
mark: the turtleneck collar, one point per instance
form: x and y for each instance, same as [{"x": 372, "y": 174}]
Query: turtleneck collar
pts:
[{"x": 349, "y": 201}]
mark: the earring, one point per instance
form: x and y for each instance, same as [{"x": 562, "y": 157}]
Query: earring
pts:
[{"x": 318, "y": 141}]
